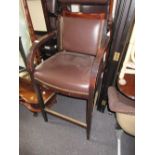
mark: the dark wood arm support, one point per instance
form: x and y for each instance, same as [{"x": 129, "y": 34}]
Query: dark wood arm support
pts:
[
  {"x": 35, "y": 47},
  {"x": 120, "y": 103},
  {"x": 97, "y": 67},
  {"x": 110, "y": 21}
]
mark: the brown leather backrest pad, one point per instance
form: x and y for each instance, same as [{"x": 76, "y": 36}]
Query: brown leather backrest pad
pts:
[{"x": 82, "y": 33}]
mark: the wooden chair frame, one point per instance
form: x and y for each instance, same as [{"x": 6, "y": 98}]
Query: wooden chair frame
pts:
[
  {"x": 95, "y": 78},
  {"x": 96, "y": 73}
]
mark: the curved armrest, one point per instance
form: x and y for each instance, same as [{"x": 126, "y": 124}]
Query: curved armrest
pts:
[
  {"x": 33, "y": 50},
  {"x": 120, "y": 103},
  {"x": 97, "y": 67}
]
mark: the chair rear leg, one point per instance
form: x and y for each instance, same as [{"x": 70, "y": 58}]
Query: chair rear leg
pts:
[
  {"x": 40, "y": 101},
  {"x": 35, "y": 114}
]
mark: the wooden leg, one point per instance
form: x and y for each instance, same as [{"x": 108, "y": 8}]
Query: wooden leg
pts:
[
  {"x": 88, "y": 118},
  {"x": 35, "y": 114},
  {"x": 40, "y": 101}
]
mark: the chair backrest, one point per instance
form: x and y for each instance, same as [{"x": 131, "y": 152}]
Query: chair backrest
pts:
[
  {"x": 81, "y": 33},
  {"x": 89, "y": 6}
]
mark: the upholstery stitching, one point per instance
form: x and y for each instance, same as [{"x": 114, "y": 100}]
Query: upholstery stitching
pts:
[{"x": 63, "y": 89}]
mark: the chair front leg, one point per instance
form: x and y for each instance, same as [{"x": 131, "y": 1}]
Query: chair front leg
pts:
[
  {"x": 40, "y": 100},
  {"x": 89, "y": 109}
]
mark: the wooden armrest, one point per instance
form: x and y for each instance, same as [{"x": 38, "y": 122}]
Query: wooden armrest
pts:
[
  {"x": 33, "y": 50},
  {"x": 119, "y": 103},
  {"x": 97, "y": 67}
]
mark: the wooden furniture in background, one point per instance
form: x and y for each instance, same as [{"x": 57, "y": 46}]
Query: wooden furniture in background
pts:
[
  {"x": 27, "y": 95},
  {"x": 129, "y": 88}
]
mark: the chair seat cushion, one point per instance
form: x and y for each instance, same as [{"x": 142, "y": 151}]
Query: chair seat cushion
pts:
[{"x": 66, "y": 71}]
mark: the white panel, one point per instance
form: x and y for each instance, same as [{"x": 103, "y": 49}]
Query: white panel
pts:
[
  {"x": 129, "y": 60},
  {"x": 75, "y": 8},
  {"x": 37, "y": 16},
  {"x": 23, "y": 33},
  {"x": 114, "y": 8}
]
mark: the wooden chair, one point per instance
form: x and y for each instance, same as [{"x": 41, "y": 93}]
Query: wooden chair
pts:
[{"x": 77, "y": 69}]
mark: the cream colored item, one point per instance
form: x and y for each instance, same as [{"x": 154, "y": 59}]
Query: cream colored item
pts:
[
  {"x": 127, "y": 122},
  {"x": 37, "y": 15}
]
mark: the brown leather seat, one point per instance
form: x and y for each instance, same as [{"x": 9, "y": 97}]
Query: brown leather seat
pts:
[{"x": 66, "y": 71}]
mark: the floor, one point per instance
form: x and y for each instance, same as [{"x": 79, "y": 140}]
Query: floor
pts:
[{"x": 58, "y": 137}]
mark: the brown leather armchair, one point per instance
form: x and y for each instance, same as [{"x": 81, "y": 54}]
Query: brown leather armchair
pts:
[{"x": 77, "y": 68}]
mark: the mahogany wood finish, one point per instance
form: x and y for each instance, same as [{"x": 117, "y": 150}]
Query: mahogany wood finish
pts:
[
  {"x": 90, "y": 15},
  {"x": 27, "y": 92},
  {"x": 129, "y": 88},
  {"x": 28, "y": 96}
]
